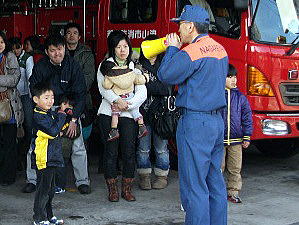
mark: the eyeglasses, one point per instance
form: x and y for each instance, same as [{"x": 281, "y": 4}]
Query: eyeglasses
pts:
[{"x": 181, "y": 22}]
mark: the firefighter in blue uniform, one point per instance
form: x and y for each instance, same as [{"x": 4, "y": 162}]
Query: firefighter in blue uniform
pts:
[{"x": 200, "y": 71}]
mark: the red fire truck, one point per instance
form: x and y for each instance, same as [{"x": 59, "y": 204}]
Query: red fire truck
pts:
[
  {"x": 261, "y": 39},
  {"x": 260, "y": 36}
]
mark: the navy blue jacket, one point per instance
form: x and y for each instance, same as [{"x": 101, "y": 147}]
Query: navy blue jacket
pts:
[
  {"x": 200, "y": 71},
  {"x": 67, "y": 79},
  {"x": 46, "y": 142},
  {"x": 237, "y": 118}
]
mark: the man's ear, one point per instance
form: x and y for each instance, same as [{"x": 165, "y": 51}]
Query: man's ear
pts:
[
  {"x": 35, "y": 99},
  {"x": 191, "y": 27},
  {"x": 79, "y": 37},
  {"x": 46, "y": 51}
]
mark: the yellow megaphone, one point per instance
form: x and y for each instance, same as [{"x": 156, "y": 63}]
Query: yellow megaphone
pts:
[{"x": 151, "y": 48}]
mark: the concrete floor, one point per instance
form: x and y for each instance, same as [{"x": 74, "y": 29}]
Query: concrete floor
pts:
[{"x": 270, "y": 197}]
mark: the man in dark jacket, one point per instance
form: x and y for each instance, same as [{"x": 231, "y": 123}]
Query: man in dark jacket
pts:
[{"x": 66, "y": 78}]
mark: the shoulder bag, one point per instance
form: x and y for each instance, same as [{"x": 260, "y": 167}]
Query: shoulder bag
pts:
[
  {"x": 163, "y": 116},
  {"x": 5, "y": 108}
]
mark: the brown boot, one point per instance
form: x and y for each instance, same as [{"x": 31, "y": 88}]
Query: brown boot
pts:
[
  {"x": 113, "y": 195},
  {"x": 126, "y": 189},
  {"x": 160, "y": 182},
  {"x": 145, "y": 181}
]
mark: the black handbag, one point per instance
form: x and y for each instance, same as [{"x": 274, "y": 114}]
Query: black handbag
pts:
[{"x": 163, "y": 116}]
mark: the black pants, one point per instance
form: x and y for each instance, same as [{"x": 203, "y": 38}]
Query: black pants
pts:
[
  {"x": 61, "y": 174},
  {"x": 44, "y": 194},
  {"x": 126, "y": 142},
  {"x": 8, "y": 153}
]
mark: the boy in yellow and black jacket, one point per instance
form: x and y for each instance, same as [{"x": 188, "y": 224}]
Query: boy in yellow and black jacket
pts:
[{"x": 47, "y": 152}]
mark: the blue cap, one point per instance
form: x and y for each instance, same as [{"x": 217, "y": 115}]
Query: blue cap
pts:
[{"x": 193, "y": 13}]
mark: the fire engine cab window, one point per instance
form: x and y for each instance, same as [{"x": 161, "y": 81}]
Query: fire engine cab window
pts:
[
  {"x": 276, "y": 21},
  {"x": 224, "y": 19},
  {"x": 133, "y": 11}
]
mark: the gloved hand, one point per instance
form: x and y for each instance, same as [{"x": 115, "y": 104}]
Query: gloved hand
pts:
[{"x": 69, "y": 111}]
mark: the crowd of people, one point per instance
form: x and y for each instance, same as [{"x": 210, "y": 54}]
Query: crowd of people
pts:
[{"x": 48, "y": 89}]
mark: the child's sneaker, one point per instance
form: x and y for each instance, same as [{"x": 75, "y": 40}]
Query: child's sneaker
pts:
[
  {"x": 113, "y": 134},
  {"x": 56, "y": 221},
  {"x": 234, "y": 199},
  {"x": 182, "y": 208},
  {"x": 59, "y": 190},
  {"x": 142, "y": 131},
  {"x": 41, "y": 223}
]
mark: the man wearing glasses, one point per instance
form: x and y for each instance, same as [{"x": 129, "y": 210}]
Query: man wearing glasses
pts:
[{"x": 200, "y": 75}]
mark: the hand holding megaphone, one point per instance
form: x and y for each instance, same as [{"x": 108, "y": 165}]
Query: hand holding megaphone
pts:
[
  {"x": 173, "y": 39},
  {"x": 152, "y": 48}
]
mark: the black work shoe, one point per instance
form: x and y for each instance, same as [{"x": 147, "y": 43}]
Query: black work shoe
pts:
[
  {"x": 84, "y": 189},
  {"x": 142, "y": 131},
  {"x": 29, "y": 188},
  {"x": 113, "y": 134}
]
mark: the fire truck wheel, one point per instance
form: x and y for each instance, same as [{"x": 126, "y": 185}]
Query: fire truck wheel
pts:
[{"x": 278, "y": 148}]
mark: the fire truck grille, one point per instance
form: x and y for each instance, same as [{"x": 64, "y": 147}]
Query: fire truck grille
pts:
[{"x": 290, "y": 93}]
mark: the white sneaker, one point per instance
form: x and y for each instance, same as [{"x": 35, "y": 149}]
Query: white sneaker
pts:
[
  {"x": 182, "y": 208},
  {"x": 55, "y": 221},
  {"x": 41, "y": 223}
]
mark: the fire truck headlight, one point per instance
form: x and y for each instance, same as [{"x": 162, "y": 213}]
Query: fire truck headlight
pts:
[
  {"x": 258, "y": 83},
  {"x": 275, "y": 127}
]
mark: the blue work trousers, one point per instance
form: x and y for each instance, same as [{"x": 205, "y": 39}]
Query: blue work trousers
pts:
[{"x": 200, "y": 153}]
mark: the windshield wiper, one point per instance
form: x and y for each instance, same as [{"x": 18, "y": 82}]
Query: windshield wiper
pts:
[
  {"x": 294, "y": 46},
  {"x": 254, "y": 15}
]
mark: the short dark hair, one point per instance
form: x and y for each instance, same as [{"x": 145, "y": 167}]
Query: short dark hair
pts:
[
  {"x": 15, "y": 41},
  {"x": 114, "y": 38},
  {"x": 55, "y": 40},
  {"x": 41, "y": 88},
  {"x": 72, "y": 25},
  {"x": 232, "y": 71},
  {"x": 2, "y": 34},
  {"x": 34, "y": 41},
  {"x": 201, "y": 28},
  {"x": 67, "y": 99}
]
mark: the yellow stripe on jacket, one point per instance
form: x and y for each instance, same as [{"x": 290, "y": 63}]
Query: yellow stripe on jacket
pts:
[{"x": 41, "y": 149}]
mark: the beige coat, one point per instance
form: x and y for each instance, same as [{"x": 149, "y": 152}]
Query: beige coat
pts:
[
  {"x": 9, "y": 82},
  {"x": 124, "y": 83}
]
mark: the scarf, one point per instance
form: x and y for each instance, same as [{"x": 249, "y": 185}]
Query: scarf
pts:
[{"x": 120, "y": 62}]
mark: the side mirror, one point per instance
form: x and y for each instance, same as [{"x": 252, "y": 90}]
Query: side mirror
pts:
[{"x": 241, "y": 4}]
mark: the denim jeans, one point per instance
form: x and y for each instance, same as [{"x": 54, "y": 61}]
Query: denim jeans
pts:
[{"x": 161, "y": 154}]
